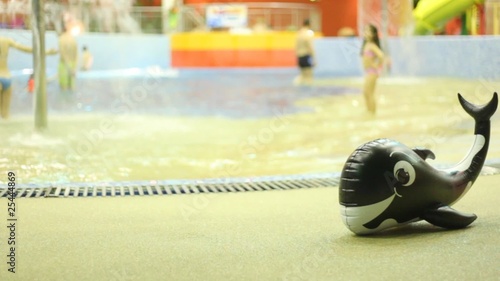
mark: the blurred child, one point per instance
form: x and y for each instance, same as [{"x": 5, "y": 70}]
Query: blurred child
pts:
[
  {"x": 68, "y": 61},
  {"x": 87, "y": 59},
  {"x": 5, "y": 75},
  {"x": 31, "y": 84}
]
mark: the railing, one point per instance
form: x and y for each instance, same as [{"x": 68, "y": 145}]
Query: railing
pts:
[
  {"x": 150, "y": 19},
  {"x": 271, "y": 16},
  {"x": 191, "y": 19}
]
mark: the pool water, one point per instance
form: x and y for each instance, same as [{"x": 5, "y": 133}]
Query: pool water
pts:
[
  {"x": 232, "y": 94},
  {"x": 218, "y": 124}
]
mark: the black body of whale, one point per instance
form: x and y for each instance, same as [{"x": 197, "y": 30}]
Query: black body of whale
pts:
[{"x": 385, "y": 184}]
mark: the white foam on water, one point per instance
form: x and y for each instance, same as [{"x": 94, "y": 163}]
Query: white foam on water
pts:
[
  {"x": 392, "y": 80},
  {"x": 34, "y": 140},
  {"x": 152, "y": 71},
  {"x": 403, "y": 80}
]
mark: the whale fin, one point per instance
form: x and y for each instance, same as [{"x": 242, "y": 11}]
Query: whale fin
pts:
[
  {"x": 424, "y": 153},
  {"x": 480, "y": 113},
  {"x": 447, "y": 217}
]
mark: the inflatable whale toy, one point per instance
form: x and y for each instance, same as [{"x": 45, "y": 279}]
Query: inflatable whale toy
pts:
[{"x": 385, "y": 184}]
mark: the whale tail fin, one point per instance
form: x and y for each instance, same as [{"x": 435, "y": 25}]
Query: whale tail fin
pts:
[{"x": 480, "y": 113}]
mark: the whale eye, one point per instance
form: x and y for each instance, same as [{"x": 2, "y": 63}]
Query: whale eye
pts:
[{"x": 404, "y": 173}]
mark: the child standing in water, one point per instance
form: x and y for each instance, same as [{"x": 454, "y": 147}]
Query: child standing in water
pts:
[
  {"x": 373, "y": 59},
  {"x": 31, "y": 84},
  {"x": 87, "y": 59},
  {"x": 304, "y": 50}
]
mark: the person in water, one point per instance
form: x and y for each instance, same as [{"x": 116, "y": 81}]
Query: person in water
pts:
[
  {"x": 5, "y": 75},
  {"x": 372, "y": 59},
  {"x": 304, "y": 50},
  {"x": 31, "y": 84},
  {"x": 87, "y": 59},
  {"x": 68, "y": 60}
]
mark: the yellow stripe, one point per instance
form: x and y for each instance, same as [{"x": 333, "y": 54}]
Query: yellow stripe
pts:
[{"x": 226, "y": 41}]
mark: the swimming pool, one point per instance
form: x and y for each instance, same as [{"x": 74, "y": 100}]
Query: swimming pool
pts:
[
  {"x": 149, "y": 125},
  {"x": 200, "y": 124},
  {"x": 226, "y": 93}
]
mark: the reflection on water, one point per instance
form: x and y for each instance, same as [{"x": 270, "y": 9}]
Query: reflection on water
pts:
[{"x": 207, "y": 126}]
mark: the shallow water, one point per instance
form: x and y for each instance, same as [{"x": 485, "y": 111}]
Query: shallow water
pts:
[{"x": 207, "y": 125}]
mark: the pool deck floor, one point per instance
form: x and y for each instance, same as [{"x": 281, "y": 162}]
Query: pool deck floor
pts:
[{"x": 271, "y": 235}]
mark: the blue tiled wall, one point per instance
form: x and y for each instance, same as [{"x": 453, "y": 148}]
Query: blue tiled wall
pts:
[
  {"x": 465, "y": 57},
  {"x": 110, "y": 51},
  {"x": 448, "y": 56}
]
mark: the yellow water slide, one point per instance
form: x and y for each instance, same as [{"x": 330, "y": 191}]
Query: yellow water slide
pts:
[{"x": 432, "y": 15}]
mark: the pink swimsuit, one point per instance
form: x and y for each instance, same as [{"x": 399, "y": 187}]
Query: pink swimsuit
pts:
[
  {"x": 371, "y": 70},
  {"x": 369, "y": 53}
]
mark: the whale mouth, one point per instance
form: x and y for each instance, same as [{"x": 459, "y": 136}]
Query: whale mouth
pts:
[{"x": 397, "y": 194}]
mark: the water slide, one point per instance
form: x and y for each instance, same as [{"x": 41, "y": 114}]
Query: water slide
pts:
[{"x": 431, "y": 15}]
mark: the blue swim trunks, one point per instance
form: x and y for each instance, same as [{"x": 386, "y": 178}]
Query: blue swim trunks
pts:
[{"x": 5, "y": 82}]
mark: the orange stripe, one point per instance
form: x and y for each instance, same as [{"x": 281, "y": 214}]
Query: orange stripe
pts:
[{"x": 233, "y": 58}]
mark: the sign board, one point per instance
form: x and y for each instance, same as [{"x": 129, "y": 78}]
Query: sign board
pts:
[{"x": 226, "y": 16}]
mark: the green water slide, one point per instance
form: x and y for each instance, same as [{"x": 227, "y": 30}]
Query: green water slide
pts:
[{"x": 432, "y": 15}]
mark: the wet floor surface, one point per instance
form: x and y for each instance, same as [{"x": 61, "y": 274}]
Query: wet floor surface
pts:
[{"x": 262, "y": 128}]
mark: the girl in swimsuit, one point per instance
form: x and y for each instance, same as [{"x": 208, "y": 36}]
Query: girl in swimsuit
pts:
[
  {"x": 5, "y": 75},
  {"x": 373, "y": 58}
]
